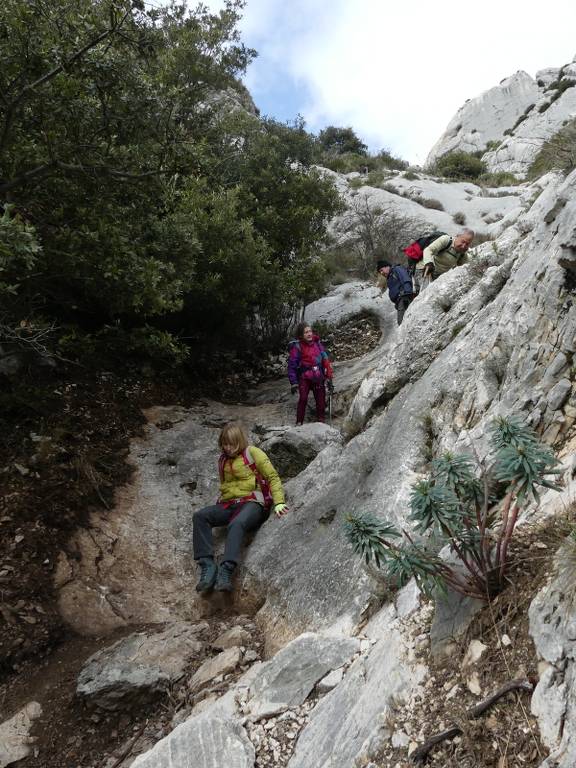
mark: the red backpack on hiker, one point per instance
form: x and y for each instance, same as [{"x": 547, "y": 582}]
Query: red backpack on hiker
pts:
[{"x": 415, "y": 251}]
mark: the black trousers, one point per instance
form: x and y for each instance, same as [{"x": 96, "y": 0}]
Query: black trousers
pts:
[
  {"x": 402, "y": 305},
  {"x": 250, "y": 517}
]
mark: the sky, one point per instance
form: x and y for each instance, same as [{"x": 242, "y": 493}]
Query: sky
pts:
[{"x": 394, "y": 70}]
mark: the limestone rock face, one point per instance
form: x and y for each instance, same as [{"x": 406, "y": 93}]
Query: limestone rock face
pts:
[
  {"x": 138, "y": 667},
  {"x": 493, "y": 337},
  {"x": 553, "y": 628},
  {"x": 406, "y": 208},
  {"x": 346, "y": 721},
  {"x": 486, "y": 117},
  {"x": 518, "y": 115},
  {"x": 201, "y": 742},
  {"x": 287, "y": 679}
]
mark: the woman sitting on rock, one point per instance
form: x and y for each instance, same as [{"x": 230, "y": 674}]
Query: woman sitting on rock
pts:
[
  {"x": 249, "y": 488},
  {"x": 308, "y": 369}
]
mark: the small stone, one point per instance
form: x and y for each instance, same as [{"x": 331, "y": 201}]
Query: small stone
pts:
[
  {"x": 474, "y": 653},
  {"x": 473, "y": 684},
  {"x": 236, "y": 636},
  {"x": 506, "y": 640},
  {"x": 224, "y": 662}
]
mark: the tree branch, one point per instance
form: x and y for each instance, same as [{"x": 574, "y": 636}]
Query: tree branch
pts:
[
  {"x": 11, "y": 106},
  {"x": 420, "y": 754}
]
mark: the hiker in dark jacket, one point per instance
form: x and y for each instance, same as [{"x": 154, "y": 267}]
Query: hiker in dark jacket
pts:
[
  {"x": 249, "y": 488},
  {"x": 308, "y": 369},
  {"x": 400, "y": 288}
]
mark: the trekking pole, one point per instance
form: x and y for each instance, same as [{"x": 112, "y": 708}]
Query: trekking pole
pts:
[{"x": 330, "y": 406}]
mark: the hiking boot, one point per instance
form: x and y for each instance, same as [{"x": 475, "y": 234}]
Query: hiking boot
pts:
[
  {"x": 208, "y": 571},
  {"x": 224, "y": 580}
]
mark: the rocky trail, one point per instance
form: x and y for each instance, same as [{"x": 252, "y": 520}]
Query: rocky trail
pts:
[
  {"x": 109, "y": 658},
  {"x": 129, "y": 568}
]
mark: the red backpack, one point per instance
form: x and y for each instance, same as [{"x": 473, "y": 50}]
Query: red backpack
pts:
[{"x": 415, "y": 250}]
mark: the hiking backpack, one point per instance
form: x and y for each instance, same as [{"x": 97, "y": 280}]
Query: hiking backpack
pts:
[
  {"x": 262, "y": 482},
  {"x": 415, "y": 251}
]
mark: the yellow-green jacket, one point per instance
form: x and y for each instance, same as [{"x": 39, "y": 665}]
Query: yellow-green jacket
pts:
[
  {"x": 442, "y": 257},
  {"x": 239, "y": 480}
]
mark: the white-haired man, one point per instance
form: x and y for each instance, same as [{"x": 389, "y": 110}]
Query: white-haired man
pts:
[{"x": 443, "y": 254}]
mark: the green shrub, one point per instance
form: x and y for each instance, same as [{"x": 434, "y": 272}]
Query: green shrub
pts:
[
  {"x": 340, "y": 141},
  {"x": 389, "y": 160},
  {"x": 499, "y": 179},
  {"x": 411, "y": 176},
  {"x": 558, "y": 153},
  {"x": 429, "y": 202},
  {"x": 356, "y": 182},
  {"x": 375, "y": 178},
  {"x": 458, "y": 506},
  {"x": 459, "y": 218},
  {"x": 460, "y": 166},
  {"x": 492, "y": 145}
]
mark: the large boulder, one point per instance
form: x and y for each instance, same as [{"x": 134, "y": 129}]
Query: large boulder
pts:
[
  {"x": 553, "y": 629},
  {"x": 292, "y": 449},
  {"x": 15, "y": 739},
  {"x": 287, "y": 679},
  {"x": 138, "y": 667},
  {"x": 201, "y": 742}
]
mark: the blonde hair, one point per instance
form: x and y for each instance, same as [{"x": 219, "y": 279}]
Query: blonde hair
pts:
[{"x": 234, "y": 435}]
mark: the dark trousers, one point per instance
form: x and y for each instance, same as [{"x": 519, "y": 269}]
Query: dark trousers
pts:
[
  {"x": 402, "y": 305},
  {"x": 304, "y": 387},
  {"x": 250, "y": 517}
]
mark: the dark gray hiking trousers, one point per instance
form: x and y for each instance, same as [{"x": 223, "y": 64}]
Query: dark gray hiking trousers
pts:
[{"x": 250, "y": 517}]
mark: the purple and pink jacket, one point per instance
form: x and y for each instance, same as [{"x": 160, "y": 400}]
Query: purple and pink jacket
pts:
[{"x": 304, "y": 356}]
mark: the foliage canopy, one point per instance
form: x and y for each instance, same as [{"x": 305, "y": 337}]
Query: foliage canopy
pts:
[{"x": 138, "y": 178}]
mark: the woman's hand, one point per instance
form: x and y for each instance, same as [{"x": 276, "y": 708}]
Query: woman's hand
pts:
[{"x": 280, "y": 509}]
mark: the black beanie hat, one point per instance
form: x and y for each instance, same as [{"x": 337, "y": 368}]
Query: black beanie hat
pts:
[{"x": 380, "y": 264}]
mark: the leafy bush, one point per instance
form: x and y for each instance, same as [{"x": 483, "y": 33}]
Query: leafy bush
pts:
[
  {"x": 459, "y": 218},
  {"x": 356, "y": 182},
  {"x": 411, "y": 176},
  {"x": 459, "y": 165},
  {"x": 453, "y": 506},
  {"x": 492, "y": 145},
  {"x": 558, "y": 153}
]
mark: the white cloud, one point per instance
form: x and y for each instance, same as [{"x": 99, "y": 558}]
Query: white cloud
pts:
[{"x": 398, "y": 71}]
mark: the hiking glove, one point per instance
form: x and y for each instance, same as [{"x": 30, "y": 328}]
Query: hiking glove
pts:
[
  {"x": 293, "y": 389},
  {"x": 280, "y": 509}
]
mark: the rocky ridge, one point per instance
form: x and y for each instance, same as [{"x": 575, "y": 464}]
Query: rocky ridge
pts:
[{"x": 509, "y": 123}]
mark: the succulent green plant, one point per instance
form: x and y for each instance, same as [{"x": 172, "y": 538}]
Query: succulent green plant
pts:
[{"x": 469, "y": 507}]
